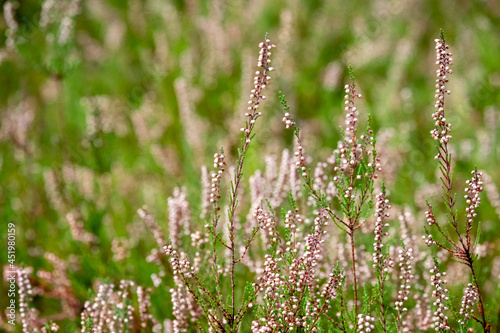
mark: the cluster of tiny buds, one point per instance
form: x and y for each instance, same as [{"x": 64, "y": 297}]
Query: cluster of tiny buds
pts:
[
  {"x": 179, "y": 266},
  {"x": 288, "y": 120},
  {"x": 444, "y": 61},
  {"x": 53, "y": 327},
  {"x": 381, "y": 214},
  {"x": 429, "y": 240},
  {"x": 292, "y": 217},
  {"x": 475, "y": 186},
  {"x": 352, "y": 113},
  {"x": 350, "y": 157},
  {"x": 291, "y": 220},
  {"x": 301, "y": 161},
  {"x": 220, "y": 165},
  {"x": 468, "y": 301},
  {"x": 267, "y": 224},
  {"x": 405, "y": 265},
  {"x": 440, "y": 320},
  {"x": 365, "y": 323},
  {"x": 320, "y": 221},
  {"x": 430, "y": 216},
  {"x": 332, "y": 286},
  {"x": 260, "y": 80},
  {"x": 271, "y": 280}
]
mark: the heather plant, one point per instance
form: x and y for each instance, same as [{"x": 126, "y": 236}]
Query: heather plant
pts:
[
  {"x": 297, "y": 288},
  {"x": 221, "y": 316},
  {"x": 463, "y": 249}
]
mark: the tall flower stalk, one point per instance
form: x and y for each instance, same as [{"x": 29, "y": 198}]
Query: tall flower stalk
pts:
[
  {"x": 261, "y": 80},
  {"x": 463, "y": 249},
  {"x": 222, "y": 315}
]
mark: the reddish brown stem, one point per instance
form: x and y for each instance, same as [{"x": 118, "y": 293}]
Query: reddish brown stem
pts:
[{"x": 351, "y": 235}]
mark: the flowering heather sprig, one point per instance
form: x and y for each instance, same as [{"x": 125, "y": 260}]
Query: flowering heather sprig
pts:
[
  {"x": 99, "y": 311},
  {"x": 299, "y": 153},
  {"x": 444, "y": 61},
  {"x": 474, "y": 187},
  {"x": 380, "y": 223},
  {"x": 381, "y": 260},
  {"x": 405, "y": 278},
  {"x": 292, "y": 222},
  {"x": 126, "y": 317},
  {"x": 429, "y": 240},
  {"x": 179, "y": 309},
  {"x": 429, "y": 214},
  {"x": 331, "y": 288},
  {"x": 441, "y": 134},
  {"x": 351, "y": 112},
  {"x": 469, "y": 299},
  {"x": 270, "y": 280},
  {"x": 179, "y": 265},
  {"x": 288, "y": 120},
  {"x": 219, "y": 165},
  {"x": 261, "y": 80},
  {"x": 440, "y": 320},
  {"x": 365, "y": 323},
  {"x": 25, "y": 292},
  {"x": 267, "y": 224},
  {"x": 314, "y": 244},
  {"x": 463, "y": 249},
  {"x": 185, "y": 309}
]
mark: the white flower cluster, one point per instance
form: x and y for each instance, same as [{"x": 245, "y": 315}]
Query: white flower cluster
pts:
[
  {"x": 440, "y": 320},
  {"x": 468, "y": 301},
  {"x": 365, "y": 323},
  {"x": 444, "y": 61}
]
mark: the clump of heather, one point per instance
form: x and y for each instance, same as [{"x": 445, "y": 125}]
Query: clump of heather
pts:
[{"x": 298, "y": 286}]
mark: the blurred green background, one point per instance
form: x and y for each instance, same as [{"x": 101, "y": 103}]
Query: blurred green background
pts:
[{"x": 106, "y": 106}]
